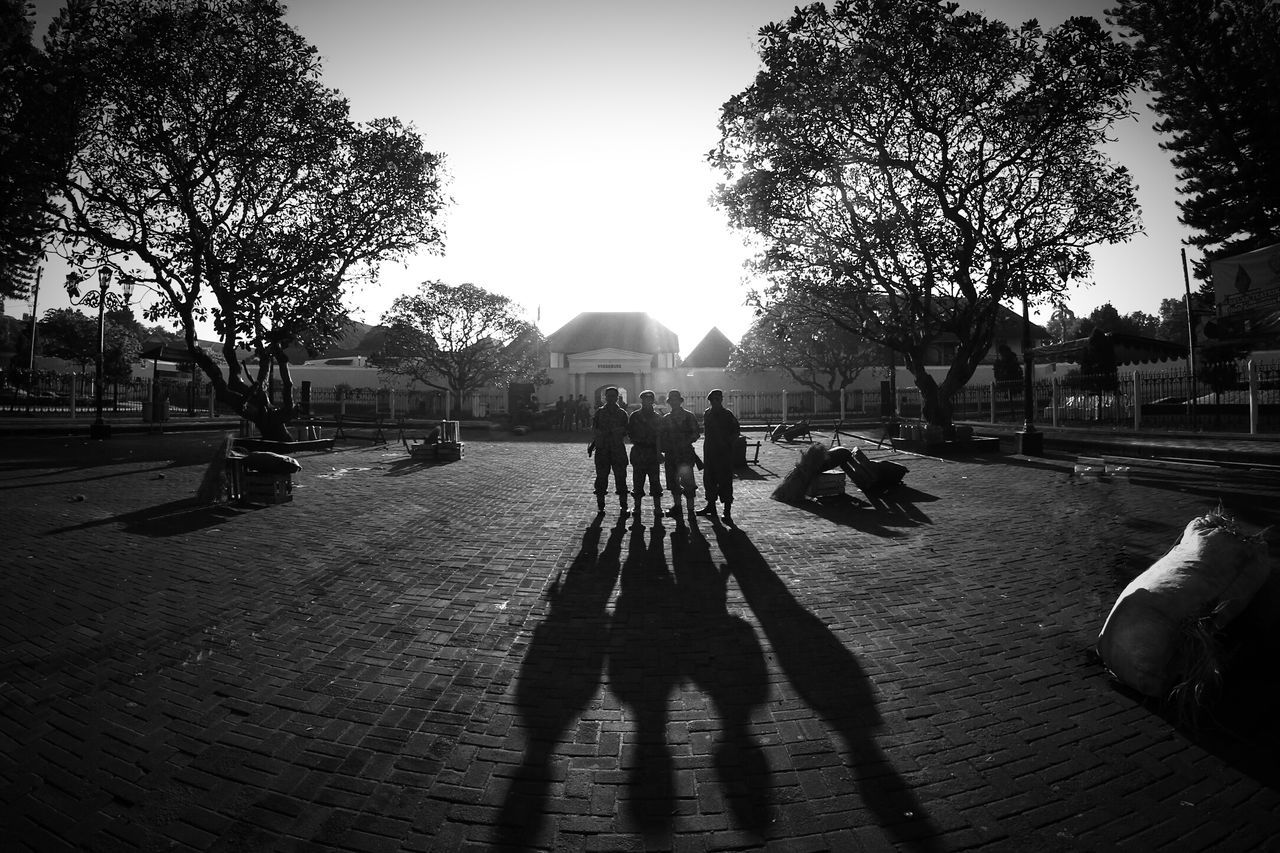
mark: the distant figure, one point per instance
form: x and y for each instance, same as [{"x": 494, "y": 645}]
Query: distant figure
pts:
[
  {"x": 717, "y": 450},
  {"x": 583, "y": 411},
  {"x": 679, "y": 431},
  {"x": 645, "y": 428},
  {"x": 561, "y": 411},
  {"x": 610, "y": 429}
]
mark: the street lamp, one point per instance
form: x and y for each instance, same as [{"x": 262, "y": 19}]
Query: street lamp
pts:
[
  {"x": 100, "y": 299},
  {"x": 1030, "y": 441}
]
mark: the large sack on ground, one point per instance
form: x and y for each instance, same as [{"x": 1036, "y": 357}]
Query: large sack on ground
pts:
[
  {"x": 1149, "y": 639},
  {"x": 794, "y": 487},
  {"x": 265, "y": 462}
]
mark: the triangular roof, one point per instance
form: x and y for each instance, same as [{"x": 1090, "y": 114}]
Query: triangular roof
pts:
[
  {"x": 712, "y": 351},
  {"x": 635, "y": 331}
]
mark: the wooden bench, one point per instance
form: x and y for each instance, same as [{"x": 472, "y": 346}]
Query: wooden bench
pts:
[{"x": 363, "y": 422}]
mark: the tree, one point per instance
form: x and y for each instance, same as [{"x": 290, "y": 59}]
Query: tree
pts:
[
  {"x": 70, "y": 335},
  {"x": 907, "y": 168},
  {"x": 1063, "y": 325},
  {"x": 1215, "y": 71},
  {"x": 67, "y": 334},
  {"x": 823, "y": 359},
  {"x": 1007, "y": 369},
  {"x": 1108, "y": 319},
  {"x": 1098, "y": 366},
  {"x": 34, "y": 130},
  {"x": 214, "y": 166},
  {"x": 1173, "y": 321},
  {"x": 461, "y": 339}
]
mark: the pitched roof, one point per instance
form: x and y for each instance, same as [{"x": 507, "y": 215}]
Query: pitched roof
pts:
[
  {"x": 1128, "y": 349},
  {"x": 634, "y": 331},
  {"x": 712, "y": 351}
]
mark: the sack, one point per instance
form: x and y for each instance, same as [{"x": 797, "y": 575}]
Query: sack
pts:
[
  {"x": 271, "y": 463},
  {"x": 1212, "y": 572}
]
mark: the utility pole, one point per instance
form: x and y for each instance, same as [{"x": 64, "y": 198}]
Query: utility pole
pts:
[
  {"x": 35, "y": 303},
  {"x": 1191, "y": 337}
]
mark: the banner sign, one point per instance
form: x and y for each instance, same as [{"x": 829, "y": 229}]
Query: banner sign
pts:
[{"x": 1248, "y": 283}]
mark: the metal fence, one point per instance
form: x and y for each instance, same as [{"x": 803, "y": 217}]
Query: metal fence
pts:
[
  {"x": 1165, "y": 400},
  {"x": 1245, "y": 398},
  {"x": 394, "y": 402},
  {"x": 73, "y": 395}
]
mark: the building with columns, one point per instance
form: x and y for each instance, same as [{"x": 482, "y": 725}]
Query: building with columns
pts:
[{"x": 597, "y": 349}]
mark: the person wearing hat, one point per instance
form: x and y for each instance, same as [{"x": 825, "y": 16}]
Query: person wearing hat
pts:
[
  {"x": 679, "y": 431},
  {"x": 645, "y": 428},
  {"x": 722, "y": 431},
  {"x": 609, "y": 428}
]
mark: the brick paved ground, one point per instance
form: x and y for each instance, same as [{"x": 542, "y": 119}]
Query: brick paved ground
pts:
[{"x": 454, "y": 657}]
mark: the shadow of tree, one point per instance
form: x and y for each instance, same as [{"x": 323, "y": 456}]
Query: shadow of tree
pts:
[
  {"x": 829, "y": 678},
  {"x": 560, "y": 675},
  {"x": 403, "y": 467},
  {"x": 174, "y": 518}
]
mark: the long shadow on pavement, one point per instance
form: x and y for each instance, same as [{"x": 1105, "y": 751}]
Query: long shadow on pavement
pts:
[
  {"x": 174, "y": 518},
  {"x": 725, "y": 660},
  {"x": 829, "y": 678},
  {"x": 560, "y": 675},
  {"x": 643, "y": 672}
]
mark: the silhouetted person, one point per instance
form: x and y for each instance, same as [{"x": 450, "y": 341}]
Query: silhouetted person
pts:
[
  {"x": 679, "y": 431},
  {"x": 645, "y": 428},
  {"x": 609, "y": 428},
  {"x": 720, "y": 434}
]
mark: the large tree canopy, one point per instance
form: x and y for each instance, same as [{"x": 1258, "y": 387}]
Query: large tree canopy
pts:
[
  {"x": 821, "y": 358},
  {"x": 1215, "y": 72},
  {"x": 68, "y": 334},
  {"x": 907, "y": 167},
  {"x": 1108, "y": 319},
  {"x": 461, "y": 339},
  {"x": 213, "y": 166},
  {"x": 33, "y": 148}
]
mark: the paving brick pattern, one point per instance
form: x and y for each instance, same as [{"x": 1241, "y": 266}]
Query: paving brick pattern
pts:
[{"x": 454, "y": 657}]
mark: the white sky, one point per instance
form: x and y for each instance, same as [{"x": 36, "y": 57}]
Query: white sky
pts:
[{"x": 575, "y": 132}]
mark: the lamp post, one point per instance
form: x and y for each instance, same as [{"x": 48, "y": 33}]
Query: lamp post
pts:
[
  {"x": 99, "y": 299},
  {"x": 1029, "y": 440}
]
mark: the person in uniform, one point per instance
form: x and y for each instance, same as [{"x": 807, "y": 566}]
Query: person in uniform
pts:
[
  {"x": 679, "y": 431},
  {"x": 722, "y": 431},
  {"x": 609, "y": 429},
  {"x": 645, "y": 428}
]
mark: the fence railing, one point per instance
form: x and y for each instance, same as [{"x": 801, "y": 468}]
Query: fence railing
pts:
[
  {"x": 74, "y": 395},
  {"x": 1168, "y": 400}
]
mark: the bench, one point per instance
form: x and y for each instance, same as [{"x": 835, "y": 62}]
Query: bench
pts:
[
  {"x": 373, "y": 422},
  {"x": 740, "y": 452}
]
